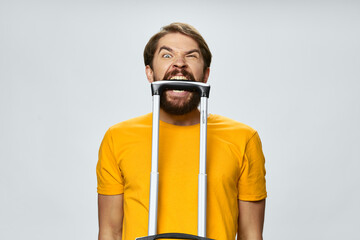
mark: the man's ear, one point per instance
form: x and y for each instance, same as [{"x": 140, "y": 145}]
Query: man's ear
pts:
[
  {"x": 206, "y": 75},
  {"x": 149, "y": 73}
]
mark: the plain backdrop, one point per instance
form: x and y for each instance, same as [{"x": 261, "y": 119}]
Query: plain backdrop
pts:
[{"x": 71, "y": 69}]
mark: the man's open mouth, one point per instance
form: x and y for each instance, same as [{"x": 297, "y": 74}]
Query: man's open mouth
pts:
[{"x": 178, "y": 78}]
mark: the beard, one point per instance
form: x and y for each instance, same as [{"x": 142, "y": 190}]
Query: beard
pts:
[{"x": 180, "y": 106}]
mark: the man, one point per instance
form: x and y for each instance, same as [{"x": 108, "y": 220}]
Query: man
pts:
[{"x": 235, "y": 163}]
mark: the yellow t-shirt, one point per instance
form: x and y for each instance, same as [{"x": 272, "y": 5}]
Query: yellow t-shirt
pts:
[{"x": 235, "y": 170}]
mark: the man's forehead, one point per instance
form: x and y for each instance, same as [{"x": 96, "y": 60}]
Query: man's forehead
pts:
[{"x": 178, "y": 42}]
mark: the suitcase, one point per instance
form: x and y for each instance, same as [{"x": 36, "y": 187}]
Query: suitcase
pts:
[{"x": 157, "y": 88}]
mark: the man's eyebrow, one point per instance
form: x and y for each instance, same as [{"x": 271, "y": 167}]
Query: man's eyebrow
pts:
[
  {"x": 193, "y": 51},
  {"x": 165, "y": 48},
  {"x": 187, "y": 52}
]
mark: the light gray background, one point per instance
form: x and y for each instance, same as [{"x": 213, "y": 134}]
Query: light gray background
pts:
[{"x": 71, "y": 69}]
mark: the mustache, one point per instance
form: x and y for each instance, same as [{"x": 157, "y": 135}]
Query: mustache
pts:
[{"x": 183, "y": 72}]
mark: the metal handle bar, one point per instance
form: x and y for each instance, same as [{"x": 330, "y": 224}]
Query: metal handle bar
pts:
[{"x": 159, "y": 86}]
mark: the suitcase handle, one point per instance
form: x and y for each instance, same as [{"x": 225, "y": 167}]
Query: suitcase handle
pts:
[
  {"x": 173, "y": 236},
  {"x": 159, "y": 86}
]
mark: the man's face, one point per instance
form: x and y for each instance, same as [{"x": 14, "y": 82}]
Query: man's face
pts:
[{"x": 178, "y": 57}]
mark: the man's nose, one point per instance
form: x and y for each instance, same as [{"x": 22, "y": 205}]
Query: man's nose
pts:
[{"x": 179, "y": 62}]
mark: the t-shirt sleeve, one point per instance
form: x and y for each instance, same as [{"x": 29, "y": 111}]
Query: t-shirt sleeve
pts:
[
  {"x": 252, "y": 183},
  {"x": 109, "y": 178}
]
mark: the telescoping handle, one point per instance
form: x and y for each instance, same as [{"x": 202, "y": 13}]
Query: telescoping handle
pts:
[
  {"x": 158, "y": 87},
  {"x": 204, "y": 90}
]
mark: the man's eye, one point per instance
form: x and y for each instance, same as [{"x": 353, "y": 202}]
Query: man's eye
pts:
[
  {"x": 192, "y": 56},
  {"x": 166, "y": 55}
]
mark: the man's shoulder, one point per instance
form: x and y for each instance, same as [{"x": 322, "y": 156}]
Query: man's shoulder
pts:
[
  {"x": 227, "y": 124},
  {"x": 143, "y": 121}
]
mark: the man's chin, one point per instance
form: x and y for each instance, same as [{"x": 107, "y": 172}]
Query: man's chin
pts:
[
  {"x": 177, "y": 111},
  {"x": 178, "y": 108}
]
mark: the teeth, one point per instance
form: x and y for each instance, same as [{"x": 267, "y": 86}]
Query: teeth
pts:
[
  {"x": 179, "y": 78},
  {"x": 178, "y": 90}
]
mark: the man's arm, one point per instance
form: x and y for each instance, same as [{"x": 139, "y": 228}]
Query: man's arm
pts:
[
  {"x": 111, "y": 213},
  {"x": 251, "y": 220}
]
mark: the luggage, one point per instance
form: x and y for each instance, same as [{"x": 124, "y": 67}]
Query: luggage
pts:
[{"x": 157, "y": 88}]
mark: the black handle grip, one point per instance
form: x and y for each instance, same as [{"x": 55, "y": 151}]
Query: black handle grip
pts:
[
  {"x": 159, "y": 86},
  {"x": 173, "y": 236}
]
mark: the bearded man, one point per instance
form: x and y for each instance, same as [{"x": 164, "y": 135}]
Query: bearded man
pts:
[{"x": 236, "y": 188}]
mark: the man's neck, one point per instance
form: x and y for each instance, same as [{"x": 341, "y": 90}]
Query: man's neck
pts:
[{"x": 188, "y": 119}]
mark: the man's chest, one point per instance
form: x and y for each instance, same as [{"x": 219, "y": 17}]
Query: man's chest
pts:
[{"x": 179, "y": 161}]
